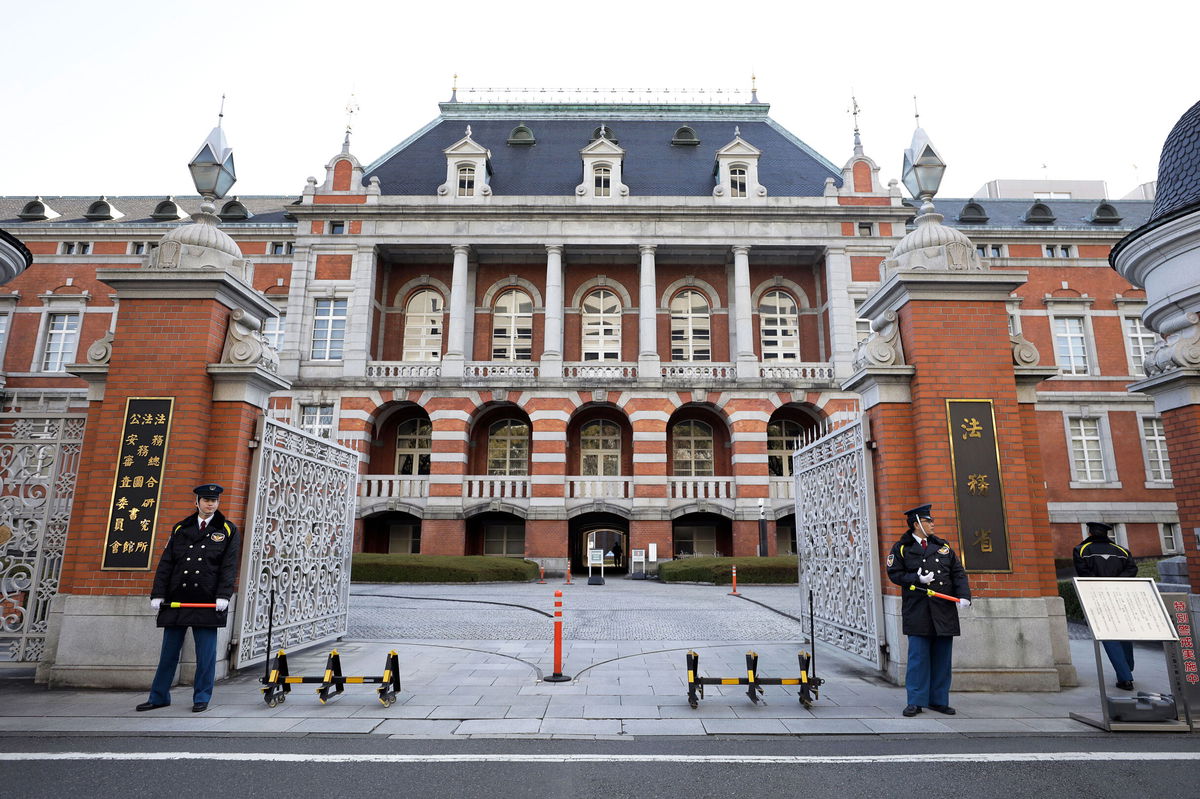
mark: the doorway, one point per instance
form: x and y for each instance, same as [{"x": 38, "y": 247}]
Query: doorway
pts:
[{"x": 602, "y": 531}]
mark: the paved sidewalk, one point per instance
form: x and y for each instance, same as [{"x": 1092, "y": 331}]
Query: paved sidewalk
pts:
[{"x": 625, "y": 651}]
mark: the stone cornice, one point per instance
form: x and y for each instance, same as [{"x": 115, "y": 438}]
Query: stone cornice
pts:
[
  {"x": 904, "y": 286},
  {"x": 1178, "y": 388},
  {"x": 215, "y": 284}
]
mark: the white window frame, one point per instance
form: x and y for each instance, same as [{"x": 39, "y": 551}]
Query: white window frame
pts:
[
  {"x": 6, "y": 319},
  {"x": 414, "y": 439},
  {"x": 782, "y": 442},
  {"x": 328, "y": 340},
  {"x": 739, "y": 180},
  {"x": 70, "y": 346},
  {"x": 1170, "y": 536},
  {"x": 274, "y": 329},
  {"x": 1139, "y": 341},
  {"x": 338, "y": 227},
  {"x": 280, "y": 248},
  {"x": 1084, "y": 350},
  {"x": 75, "y": 248},
  {"x": 317, "y": 418},
  {"x": 600, "y": 331},
  {"x": 512, "y": 340},
  {"x": 785, "y": 339},
  {"x": 602, "y": 180},
  {"x": 1155, "y": 456},
  {"x": 1057, "y": 251},
  {"x": 511, "y": 448},
  {"x": 689, "y": 438},
  {"x": 685, "y": 327},
  {"x": 464, "y": 178},
  {"x": 600, "y": 441},
  {"x": 423, "y": 326},
  {"x": 1107, "y": 461}
]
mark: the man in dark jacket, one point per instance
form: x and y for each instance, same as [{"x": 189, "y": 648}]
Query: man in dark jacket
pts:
[
  {"x": 198, "y": 566},
  {"x": 1096, "y": 556},
  {"x": 921, "y": 563}
]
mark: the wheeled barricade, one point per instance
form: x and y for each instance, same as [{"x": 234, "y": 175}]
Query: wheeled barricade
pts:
[
  {"x": 278, "y": 682},
  {"x": 809, "y": 683}
]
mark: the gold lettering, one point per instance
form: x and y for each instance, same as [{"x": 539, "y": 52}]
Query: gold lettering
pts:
[
  {"x": 122, "y": 503},
  {"x": 978, "y": 484},
  {"x": 157, "y": 440},
  {"x": 131, "y": 440},
  {"x": 148, "y": 503},
  {"x": 138, "y": 481},
  {"x": 119, "y": 524},
  {"x": 983, "y": 540},
  {"x": 971, "y": 428},
  {"x": 133, "y": 514},
  {"x": 125, "y": 483},
  {"x": 127, "y": 460},
  {"x": 143, "y": 451},
  {"x": 143, "y": 546},
  {"x": 154, "y": 460}
]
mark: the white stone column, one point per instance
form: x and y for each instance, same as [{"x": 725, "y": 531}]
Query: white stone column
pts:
[
  {"x": 843, "y": 319},
  {"x": 747, "y": 362},
  {"x": 452, "y": 363},
  {"x": 552, "y": 339},
  {"x": 648, "y": 360}
]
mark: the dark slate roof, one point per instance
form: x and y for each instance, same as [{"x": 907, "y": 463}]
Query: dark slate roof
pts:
[
  {"x": 266, "y": 210},
  {"x": 652, "y": 166},
  {"x": 1179, "y": 167},
  {"x": 1067, "y": 213}
]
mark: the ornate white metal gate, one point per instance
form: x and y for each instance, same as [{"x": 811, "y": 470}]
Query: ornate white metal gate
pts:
[
  {"x": 837, "y": 543},
  {"x": 299, "y": 541},
  {"x": 40, "y": 443}
]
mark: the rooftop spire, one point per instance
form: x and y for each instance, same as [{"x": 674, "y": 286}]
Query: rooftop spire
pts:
[
  {"x": 916, "y": 111},
  {"x": 753, "y": 88},
  {"x": 351, "y": 109},
  {"x": 454, "y": 89},
  {"x": 221, "y": 112},
  {"x": 854, "y": 109}
]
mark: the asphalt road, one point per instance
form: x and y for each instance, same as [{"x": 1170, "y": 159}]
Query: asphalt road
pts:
[{"x": 710, "y": 768}]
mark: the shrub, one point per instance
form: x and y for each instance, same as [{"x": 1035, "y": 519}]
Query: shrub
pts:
[
  {"x": 370, "y": 567},
  {"x": 778, "y": 569},
  {"x": 1066, "y": 590}
]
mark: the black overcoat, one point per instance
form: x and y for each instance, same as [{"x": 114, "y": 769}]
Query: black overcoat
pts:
[
  {"x": 923, "y": 614},
  {"x": 1096, "y": 556},
  {"x": 197, "y": 567}
]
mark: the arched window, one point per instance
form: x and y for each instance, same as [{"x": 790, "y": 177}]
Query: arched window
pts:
[
  {"x": 692, "y": 449},
  {"x": 779, "y": 326},
  {"x": 600, "y": 449},
  {"x": 508, "y": 448},
  {"x": 737, "y": 181},
  {"x": 512, "y": 327},
  {"x": 783, "y": 437},
  {"x": 466, "y": 181},
  {"x": 602, "y": 176},
  {"x": 413, "y": 444},
  {"x": 691, "y": 334},
  {"x": 601, "y": 326},
  {"x": 423, "y": 326}
]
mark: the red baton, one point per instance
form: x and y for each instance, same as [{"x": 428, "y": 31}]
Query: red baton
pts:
[
  {"x": 933, "y": 593},
  {"x": 192, "y": 605}
]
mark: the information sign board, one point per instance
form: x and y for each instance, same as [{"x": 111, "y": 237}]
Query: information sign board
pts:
[{"x": 1124, "y": 609}]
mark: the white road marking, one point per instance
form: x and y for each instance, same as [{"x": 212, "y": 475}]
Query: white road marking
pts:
[{"x": 327, "y": 758}]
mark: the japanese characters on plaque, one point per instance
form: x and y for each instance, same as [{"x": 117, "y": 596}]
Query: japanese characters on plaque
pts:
[
  {"x": 129, "y": 542},
  {"x": 975, "y": 460},
  {"x": 1183, "y": 660}
]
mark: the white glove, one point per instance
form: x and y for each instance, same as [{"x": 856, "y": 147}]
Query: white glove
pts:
[
  {"x": 222, "y": 604},
  {"x": 964, "y": 603},
  {"x": 925, "y": 577},
  {"x": 155, "y": 603}
]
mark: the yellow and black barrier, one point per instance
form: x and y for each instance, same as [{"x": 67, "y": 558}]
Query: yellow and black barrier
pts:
[
  {"x": 809, "y": 683},
  {"x": 278, "y": 682}
]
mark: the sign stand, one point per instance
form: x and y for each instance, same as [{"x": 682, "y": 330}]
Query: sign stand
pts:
[
  {"x": 595, "y": 558},
  {"x": 1129, "y": 609},
  {"x": 638, "y": 556}
]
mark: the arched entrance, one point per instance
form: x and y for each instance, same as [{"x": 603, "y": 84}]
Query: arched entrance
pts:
[
  {"x": 605, "y": 531},
  {"x": 392, "y": 532}
]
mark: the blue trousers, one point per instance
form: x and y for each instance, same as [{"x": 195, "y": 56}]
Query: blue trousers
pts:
[
  {"x": 928, "y": 676},
  {"x": 1120, "y": 655},
  {"x": 205, "y": 639}
]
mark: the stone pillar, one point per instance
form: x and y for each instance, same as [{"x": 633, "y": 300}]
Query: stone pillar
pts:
[
  {"x": 747, "y": 361},
  {"x": 189, "y": 332},
  {"x": 842, "y": 318},
  {"x": 456, "y": 343},
  {"x": 648, "y": 360},
  {"x": 942, "y": 333},
  {"x": 547, "y": 472},
  {"x": 552, "y": 346}
]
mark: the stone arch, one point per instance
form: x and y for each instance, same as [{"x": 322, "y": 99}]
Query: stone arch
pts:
[
  {"x": 401, "y": 295},
  {"x": 602, "y": 282},
  {"x": 784, "y": 284},
  {"x": 693, "y": 282},
  {"x": 512, "y": 281}
]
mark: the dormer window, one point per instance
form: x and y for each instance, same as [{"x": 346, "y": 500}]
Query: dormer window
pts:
[
  {"x": 234, "y": 211},
  {"x": 1105, "y": 214},
  {"x": 466, "y": 181},
  {"x": 737, "y": 181},
  {"x": 36, "y": 209},
  {"x": 102, "y": 211},
  {"x": 168, "y": 211},
  {"x": 973, "y": 214},
  {"x": 603, "y": 181},
  {"x": 1039, "y": 214},
  {"x": 685, "y": 137},
  {"x": 521, "y": 135}
]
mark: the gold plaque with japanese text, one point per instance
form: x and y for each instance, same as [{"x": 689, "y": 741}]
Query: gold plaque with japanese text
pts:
[{"x": 129, "y": 542}]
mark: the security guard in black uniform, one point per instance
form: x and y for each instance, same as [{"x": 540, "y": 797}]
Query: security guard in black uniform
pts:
[
  {"x": 921, "y": 562},
  {"x": 198, "y": 566},
  {"x": 1096, "y": 556}
]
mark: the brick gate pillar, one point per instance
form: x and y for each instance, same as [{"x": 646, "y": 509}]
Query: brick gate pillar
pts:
[
  {"x": 941, "y": 333},
  {"x": 188, "y": 330}
]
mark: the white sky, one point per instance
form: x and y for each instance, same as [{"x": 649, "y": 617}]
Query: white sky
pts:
[{"x": 115, "y": 97}]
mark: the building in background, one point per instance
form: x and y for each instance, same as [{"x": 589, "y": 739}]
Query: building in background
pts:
[{"x": 552, "y": 327}]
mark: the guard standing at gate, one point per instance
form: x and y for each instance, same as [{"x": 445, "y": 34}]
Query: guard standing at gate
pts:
[
  {"x": 1096, "y": 556},
  {"x": 921, "y": 562},
  {"x": 198, "y": 566}
]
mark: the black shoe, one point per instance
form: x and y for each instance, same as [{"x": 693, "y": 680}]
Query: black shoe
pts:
[
  {"x": 151, "y": 706},
  {"x": 200, "y": 707},
  {"x": 945, "y": 710},
  {"x": 1125, "y": 685},
  {"x": 911, "y": 711}
]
